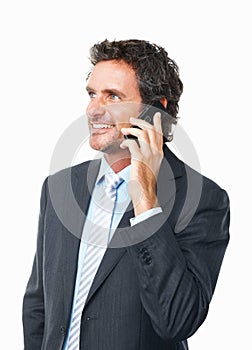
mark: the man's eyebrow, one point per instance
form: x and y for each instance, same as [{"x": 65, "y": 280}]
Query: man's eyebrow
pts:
[
  {"x": 107, "y": 91},
  {"x": 89, "y": 89}
]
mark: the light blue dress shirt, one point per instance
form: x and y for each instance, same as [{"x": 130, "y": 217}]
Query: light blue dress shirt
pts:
[{"x": 121, "y": 204}]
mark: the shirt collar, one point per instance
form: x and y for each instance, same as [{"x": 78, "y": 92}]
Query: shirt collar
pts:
[{"x": 106, "y": 169}]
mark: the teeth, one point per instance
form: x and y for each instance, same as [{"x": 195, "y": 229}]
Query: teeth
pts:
[{"x": 102, "y": 126}]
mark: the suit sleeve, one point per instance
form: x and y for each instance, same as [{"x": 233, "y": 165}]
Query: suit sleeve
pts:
[
  {"x": 178, "y": 272},
  {"x": 33, "y": 302}
]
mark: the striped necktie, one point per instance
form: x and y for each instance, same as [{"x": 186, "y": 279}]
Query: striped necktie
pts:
[{"x": 97, "y": 241}]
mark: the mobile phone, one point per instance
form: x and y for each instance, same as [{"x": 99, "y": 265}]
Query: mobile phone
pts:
[{"x": 147, "y": 114}]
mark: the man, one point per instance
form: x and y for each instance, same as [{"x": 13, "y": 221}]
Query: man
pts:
[{"x": 149, "y": 283}]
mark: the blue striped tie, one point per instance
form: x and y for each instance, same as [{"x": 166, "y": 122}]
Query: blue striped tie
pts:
[{"x": 96, "y": 247}]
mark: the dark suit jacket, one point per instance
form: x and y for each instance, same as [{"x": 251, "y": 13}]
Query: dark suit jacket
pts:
[{"x": 153, "y": 287}]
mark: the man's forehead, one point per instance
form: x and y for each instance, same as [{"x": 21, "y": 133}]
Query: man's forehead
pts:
[
  {"x": 113, "y": 68},
  {"x": 112, "y": 75}
]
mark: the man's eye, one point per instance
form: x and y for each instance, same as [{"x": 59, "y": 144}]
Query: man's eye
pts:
[
  {"x": 114, "y": 97},
  {"x": 91, "y": 94}
]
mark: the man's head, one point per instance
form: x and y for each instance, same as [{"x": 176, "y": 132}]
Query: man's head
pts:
[{"x": 154, "y": 76}]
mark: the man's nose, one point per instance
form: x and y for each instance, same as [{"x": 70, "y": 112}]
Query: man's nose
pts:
[{"x": 95, "y": 108}]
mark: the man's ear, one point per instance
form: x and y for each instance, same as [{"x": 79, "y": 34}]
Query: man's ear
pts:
[{"x": 164, "y": 102}]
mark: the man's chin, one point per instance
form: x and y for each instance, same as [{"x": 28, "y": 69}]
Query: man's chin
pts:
[{"x": 111, "y": 147}]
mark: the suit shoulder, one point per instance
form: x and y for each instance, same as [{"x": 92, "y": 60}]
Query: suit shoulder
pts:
[
  {"x": 198, "y": 182},
  {"x": 207, "y": 183},
  {"x": 212, "y": 192},
  {"x": 80, "y": 168}
]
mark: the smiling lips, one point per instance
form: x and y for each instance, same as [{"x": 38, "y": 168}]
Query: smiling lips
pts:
[{"x": 100, "y": 127}]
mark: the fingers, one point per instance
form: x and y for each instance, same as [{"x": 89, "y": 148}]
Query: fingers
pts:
[
  {"x": 142, "y": 136},
  {"x": 133, "y": 148},
  {"x": 148, "y": 135},
  {"x": 157, "y": 122}
]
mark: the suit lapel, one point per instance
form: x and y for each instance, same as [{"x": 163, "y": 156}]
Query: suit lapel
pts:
[
  {"x": 83, "y": 181},
  {"x": 109, "y": 261},
  {"x": 70, "y": 250},
  {"x": 170, "y": 171}
]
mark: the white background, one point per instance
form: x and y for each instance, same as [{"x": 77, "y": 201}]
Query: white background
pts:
[{"x": 44, "y": 50}]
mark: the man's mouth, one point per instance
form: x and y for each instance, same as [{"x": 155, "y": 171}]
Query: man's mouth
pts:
[{"x": 100, "y": 128}]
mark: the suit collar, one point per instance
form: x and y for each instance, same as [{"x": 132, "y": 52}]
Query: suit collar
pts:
[
  {"x": 171, "y": 165},
  {"x": 83, "y": 180},
  {"x": 90, "y": 170}
]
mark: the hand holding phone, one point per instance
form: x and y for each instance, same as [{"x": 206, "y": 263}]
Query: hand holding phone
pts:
[
  {"x": 146, "y": 154},
  {"x": 147, "y": 115}
]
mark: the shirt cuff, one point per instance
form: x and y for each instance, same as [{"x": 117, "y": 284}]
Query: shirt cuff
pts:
[{"x": 145, "y": 215}]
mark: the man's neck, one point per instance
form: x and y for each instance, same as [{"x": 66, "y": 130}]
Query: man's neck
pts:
[{"x": 118, "y": 161}]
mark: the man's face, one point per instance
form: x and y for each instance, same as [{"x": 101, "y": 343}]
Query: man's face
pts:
[{"x": 114, "y": 98}]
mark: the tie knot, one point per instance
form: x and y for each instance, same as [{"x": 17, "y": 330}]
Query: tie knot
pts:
[{"x": 112, "y": 181}]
